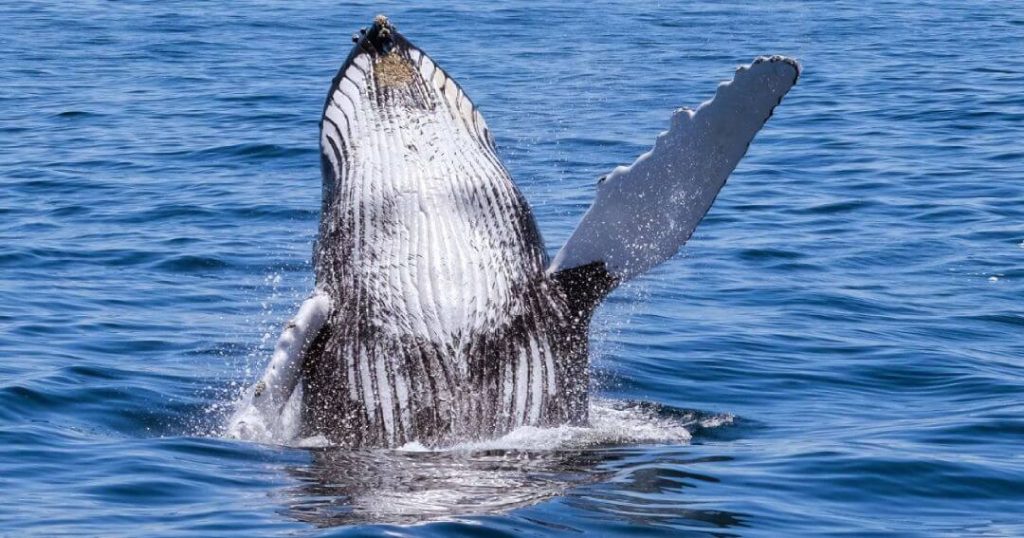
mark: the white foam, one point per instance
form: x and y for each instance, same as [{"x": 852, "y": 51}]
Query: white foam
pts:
[
  {"x": 611, "y": 423},
  {"x": 250, "y": 423},
  {"x": 417, "y": 483}
]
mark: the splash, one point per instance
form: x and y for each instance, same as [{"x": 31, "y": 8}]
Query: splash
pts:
[
  {"x": 249, "y": 423},
  {"x": 612, "y": 423}
]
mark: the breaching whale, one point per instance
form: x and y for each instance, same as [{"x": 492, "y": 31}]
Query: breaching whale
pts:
[{"x": 437, "y": 316}]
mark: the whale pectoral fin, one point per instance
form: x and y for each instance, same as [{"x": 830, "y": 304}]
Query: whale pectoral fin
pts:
[
  {"x": 644, "y": 213},
  {"x": 267, "y": 397}
]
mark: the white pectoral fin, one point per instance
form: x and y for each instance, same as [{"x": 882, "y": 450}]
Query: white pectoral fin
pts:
[
  {"x": 643, "y": 213},
  {"x": 264, "y": 401}
]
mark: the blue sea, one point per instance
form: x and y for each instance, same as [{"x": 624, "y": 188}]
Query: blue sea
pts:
[{"x": 839, "y": 350}]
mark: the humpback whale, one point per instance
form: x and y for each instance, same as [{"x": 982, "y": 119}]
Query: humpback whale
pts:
[{"x": 437, "y": 316}]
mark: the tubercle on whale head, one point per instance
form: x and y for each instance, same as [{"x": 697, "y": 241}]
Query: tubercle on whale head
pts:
[{"x": 381, "y": 37}]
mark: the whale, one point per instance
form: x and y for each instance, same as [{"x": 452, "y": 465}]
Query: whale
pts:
[{"x": 437, "y": 316}]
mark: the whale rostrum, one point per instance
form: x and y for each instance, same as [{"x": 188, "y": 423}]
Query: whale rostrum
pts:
[{"x": 437, "y": 316}]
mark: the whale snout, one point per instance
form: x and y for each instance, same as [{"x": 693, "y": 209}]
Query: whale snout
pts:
[{"x": 379, "y": 38}]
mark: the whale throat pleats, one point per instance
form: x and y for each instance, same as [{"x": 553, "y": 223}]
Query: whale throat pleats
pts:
[{"x": 444, "y": 324}]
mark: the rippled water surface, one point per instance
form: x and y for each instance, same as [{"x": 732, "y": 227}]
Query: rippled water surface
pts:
[{"x": 837, "y": 351}]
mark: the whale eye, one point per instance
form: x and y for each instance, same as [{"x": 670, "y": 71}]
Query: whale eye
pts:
[{"x": 601, "y": 179}]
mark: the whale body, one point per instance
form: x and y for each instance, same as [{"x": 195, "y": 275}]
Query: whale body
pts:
[{"x": 437, "y": 316}]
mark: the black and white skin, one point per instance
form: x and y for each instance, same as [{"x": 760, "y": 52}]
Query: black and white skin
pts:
[{"x": 437, "y": 316}]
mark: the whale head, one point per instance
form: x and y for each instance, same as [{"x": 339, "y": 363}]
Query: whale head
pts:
[{"x": 404, "y": 149}]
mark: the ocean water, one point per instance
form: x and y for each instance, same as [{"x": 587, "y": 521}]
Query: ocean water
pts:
[{"x": 837, "y": 351}]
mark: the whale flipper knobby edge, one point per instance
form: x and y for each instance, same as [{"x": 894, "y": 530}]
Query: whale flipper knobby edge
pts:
[{"x": 645, "y": 212}]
